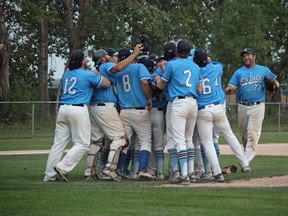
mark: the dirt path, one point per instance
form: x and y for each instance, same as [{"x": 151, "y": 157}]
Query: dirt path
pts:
[{"x": 279, "y": 149}]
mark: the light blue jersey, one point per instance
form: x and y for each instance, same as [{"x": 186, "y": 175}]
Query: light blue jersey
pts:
[
  {"x": 182, "y": 77},
  {"x": 210, "y": 76},
  {"x": 101, "y": 95},
  {"x": 129, "y": 86},
  {"x": 250, "y": 83},
  {"x": 219, "y": 82},
  {"x": 77, "y": 86},
  {"x": 157, "y": 103}
]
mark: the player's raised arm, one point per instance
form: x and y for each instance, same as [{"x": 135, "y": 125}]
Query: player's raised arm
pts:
[{"x": 123, "y": 64}]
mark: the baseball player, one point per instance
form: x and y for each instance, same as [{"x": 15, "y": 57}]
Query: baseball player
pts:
[
  {"x": 182, "y": 78},
  {"x": 169, "y": 55},
  {"x": 135, "y": 102},
  {"x": 73, "y": 120},
  {"x": 105, "y": 118},
  {"x": 212, "y": 113},
  {"x": 157, "y": 117},
  {"x": 112, "y": 54},
  {"x": 249, "y": 81}
]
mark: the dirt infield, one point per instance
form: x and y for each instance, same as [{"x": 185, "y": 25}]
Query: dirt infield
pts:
[
  {"x": 279, "y": 149},
  {"x": 277, "y": 181}
]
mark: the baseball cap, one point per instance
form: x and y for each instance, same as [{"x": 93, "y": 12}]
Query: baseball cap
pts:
[
  {"x": 160, "y": 58},
  {"x": 98, "y": 55},
  {"x": 183, "y": 47},
  {"x": 149, "y": 64},
  {"x": 110, "y": 51},
  {"x": 153, "y": 57},
  {"x": 247, "y": 50},
  {"x": 169, "y": 50},
  {"x": 200, "y": 57},
  {"x": 123, "y": 53},
  {"x": 76, "y": 56}
]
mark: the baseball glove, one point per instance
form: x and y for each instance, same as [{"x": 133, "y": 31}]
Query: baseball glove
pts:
[
  {"x": 229, "y": 169},
  {"x": 270, "y": 85},
  {"x": 145, "y": 41}
]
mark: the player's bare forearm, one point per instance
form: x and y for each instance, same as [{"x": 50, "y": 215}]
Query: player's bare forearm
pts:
[
  {"x": 160, "y": 83},
  {"x": 123, "y": 64},
  {"x": 96, "y": 71},
  {"x": 106, "y": 82},
  {"x": 147, "y": 92},
  {"x": 230, "y": 89}
]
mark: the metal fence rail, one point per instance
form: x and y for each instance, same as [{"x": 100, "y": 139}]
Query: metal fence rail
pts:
[{"x": 27, "y": 118}]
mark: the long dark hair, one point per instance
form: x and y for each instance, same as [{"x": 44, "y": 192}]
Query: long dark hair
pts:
[{"x": 76, "y": 59}]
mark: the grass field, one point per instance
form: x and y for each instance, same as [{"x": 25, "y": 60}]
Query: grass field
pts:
[{"x": 24, "y": 193}]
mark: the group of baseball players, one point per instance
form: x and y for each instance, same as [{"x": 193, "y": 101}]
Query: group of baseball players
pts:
[{"x": 119, "y": 112}]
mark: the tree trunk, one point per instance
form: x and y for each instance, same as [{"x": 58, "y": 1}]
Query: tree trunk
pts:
[
  {"x": 4, "y": 57},
  {"x": 43, "y": 68}
]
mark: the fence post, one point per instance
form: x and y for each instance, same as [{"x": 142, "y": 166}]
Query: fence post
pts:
[
  {"x": 279, "y": 117},
  {"x": 33, "y": 109}
]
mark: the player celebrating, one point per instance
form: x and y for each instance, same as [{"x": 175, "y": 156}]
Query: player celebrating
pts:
[
  {"x": 212, "y": 113},
  {"x": 105, "y": 118},
  {"x": 73, "y": 117},
  {"x": 135, "y": 102},
  {"x": 249, "y": 80},
  {"x": 182, "y": 76}
]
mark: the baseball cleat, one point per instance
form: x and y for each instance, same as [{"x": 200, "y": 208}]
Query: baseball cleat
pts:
[
  {"x": 185, "y": 180},
  {"x": 206, "y": 176},
  {"x": 111, "y": 174},
  {"x": 246, "y": 169},
  {"x": 219, "y": 178},
  {"x": 57, "y": 179},
  {"x": 134, "y": 176},
  {"x": 146, "y": 176},
  {"x": 160, "y": 177},
  {"x": 62, "y": 174},
  {"x": 175, "y": 178},
  {"x": 192, "y": 177}
]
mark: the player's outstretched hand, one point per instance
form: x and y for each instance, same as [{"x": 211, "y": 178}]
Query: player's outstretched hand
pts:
[{"x": 137, "y": 49}]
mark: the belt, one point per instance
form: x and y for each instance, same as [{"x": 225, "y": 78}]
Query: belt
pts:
[
  {"x": 249, "y": 103},
  {"x": 100, "y": 104},
  {"x": 160, "y": 109},
  {"x": 183, "y": 97},
  {"x": 81, "y": 105},
  {"x": 137, "y": 108},
  {"x": 104, "y": 104},
  {"x": 206, "y": 106}
]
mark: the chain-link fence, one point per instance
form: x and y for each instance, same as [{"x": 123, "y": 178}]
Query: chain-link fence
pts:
[{"x": 37, "y": 118}]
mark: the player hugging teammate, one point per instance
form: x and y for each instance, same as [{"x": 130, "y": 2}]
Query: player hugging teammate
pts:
[{"x": 150, "y": 95}]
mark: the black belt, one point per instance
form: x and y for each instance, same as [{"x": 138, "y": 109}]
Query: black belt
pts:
[
  {"x": 160, "y": 109},
  {"x": 137, "y": 108},
  {"x": 100, "y": 104},
  {"x": 81, "y": 105},
  {"x": 183, "y": 97},
  {"x": 249, "y": 103},
  {"x": 203, "y": 107}
]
